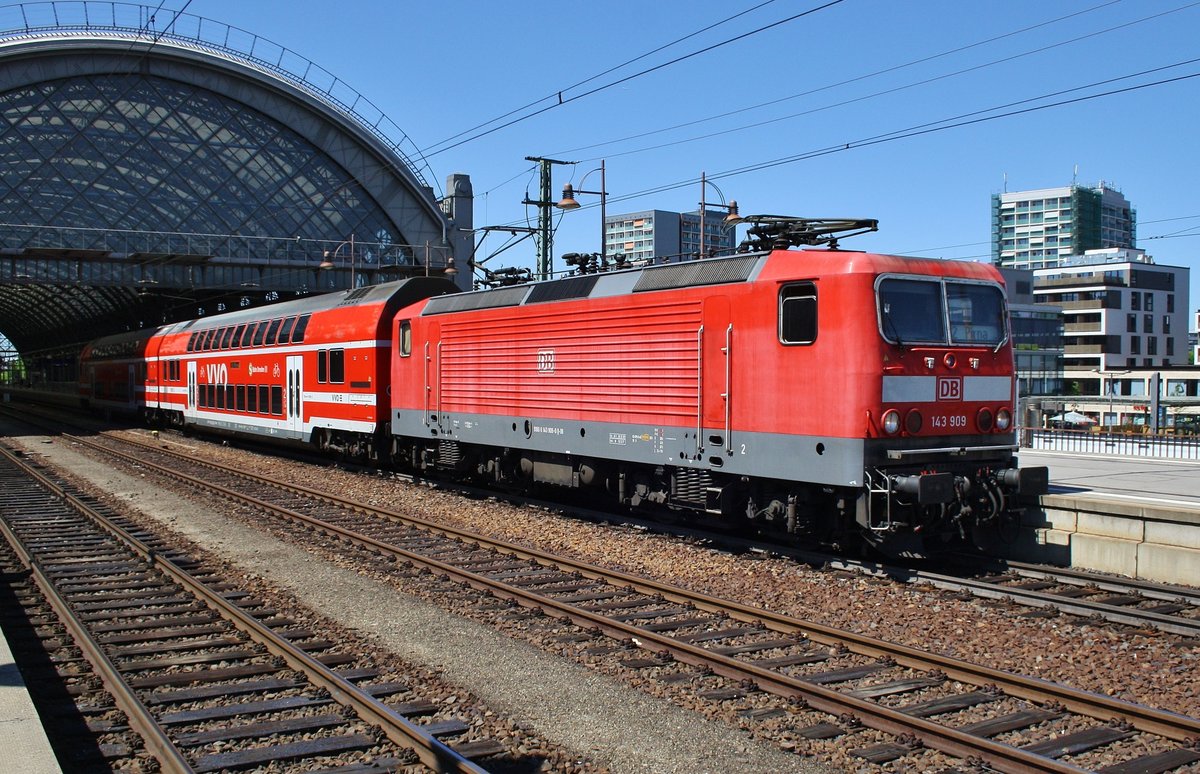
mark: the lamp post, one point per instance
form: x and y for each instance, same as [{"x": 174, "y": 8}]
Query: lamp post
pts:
[
  {"x": 327, "y": 263},
  {"x": 568, "y": 203},
  {"x": 732, "y": 219},
  {"x": 1111, "y": 379}
]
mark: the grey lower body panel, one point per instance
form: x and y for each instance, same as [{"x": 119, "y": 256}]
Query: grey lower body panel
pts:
[{"x": 822, "y": 460}]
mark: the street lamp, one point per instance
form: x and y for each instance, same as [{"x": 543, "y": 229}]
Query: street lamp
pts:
[
  {"x": 568, "y": 203},
  {"x": 327, "y": 264},
  {"x": 1111, "y": 385},
  {"x": 732, "y": 219}
]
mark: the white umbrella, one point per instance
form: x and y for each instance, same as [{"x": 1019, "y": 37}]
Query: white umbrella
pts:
[{"x": 1073, "y": 418}]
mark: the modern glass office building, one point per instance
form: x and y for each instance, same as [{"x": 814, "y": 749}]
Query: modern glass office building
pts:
[{"x": 1036, "y": 229}]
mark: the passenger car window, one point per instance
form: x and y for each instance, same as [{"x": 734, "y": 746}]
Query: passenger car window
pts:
[
  {"x": 286, "y": 329},
  {"x": 298, "y": 331},
  {"x": 337, "y": 366},
  {"x": 272, "y": 331}
]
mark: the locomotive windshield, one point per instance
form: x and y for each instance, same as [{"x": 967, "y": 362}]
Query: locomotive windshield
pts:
[{"x": 924, "y": 311}]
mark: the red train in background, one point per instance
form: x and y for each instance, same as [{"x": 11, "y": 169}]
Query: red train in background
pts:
[
  {"x": 822, "y": 393},
  {"x": 311, "y": 371}
]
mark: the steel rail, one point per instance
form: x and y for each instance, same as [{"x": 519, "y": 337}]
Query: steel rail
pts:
[
  {"x": 431, "y": 751},
  {"x": 153, "y": 735},
  {"x": 1005, "y": 757},
  {"x": 1067, "y": 575}
]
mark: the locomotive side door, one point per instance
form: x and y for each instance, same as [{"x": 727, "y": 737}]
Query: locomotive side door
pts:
[
  {"x": 716, "y": 373},
  {"x": 295, "y": 393},
  {"x": 433, "y": 377}
]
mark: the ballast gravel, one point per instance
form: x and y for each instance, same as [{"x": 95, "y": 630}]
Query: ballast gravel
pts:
[{"x": 592, "y": 714}]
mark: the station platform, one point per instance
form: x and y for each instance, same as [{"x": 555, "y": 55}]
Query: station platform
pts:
[
  {"x": 1130, "y": 516},
  {"x": 22, "y": 737}
]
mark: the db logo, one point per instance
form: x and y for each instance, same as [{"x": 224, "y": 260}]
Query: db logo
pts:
[
  {"x": 545, "y": 361},
  {"x": 949, "y": 388}
]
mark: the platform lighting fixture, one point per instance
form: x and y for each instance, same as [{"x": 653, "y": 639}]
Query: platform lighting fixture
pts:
[
  {"x": 568, "y": 203},
  {"x": 329, "y": 257},
  {"x": 732, "y": 219}
]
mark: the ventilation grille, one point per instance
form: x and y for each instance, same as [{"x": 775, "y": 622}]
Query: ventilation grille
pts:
[
  {"x": 571, "y": 287},
  {"x": 682, "y": 275},
  {"x": 355, "y": 295},
  {"x": 488, "y": 299}
]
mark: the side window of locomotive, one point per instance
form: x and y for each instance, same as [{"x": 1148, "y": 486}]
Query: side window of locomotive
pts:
[
  {"x": 337, "y": 366},
  {"x": 405, "y": 343},
  {"x": 298, "y": 331},
  {"x": 976, "y": 313},
  {"x": 911, "y": 311},
  {"x": 798, "y": 313},
  {"x": 322, "y": 365}
]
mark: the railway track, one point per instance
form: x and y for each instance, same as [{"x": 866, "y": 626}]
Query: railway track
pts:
[
  {"x": 1130, "y": 602},
  {"x": 1016, "y": 723},
  {"x": 197, "y": 674}
]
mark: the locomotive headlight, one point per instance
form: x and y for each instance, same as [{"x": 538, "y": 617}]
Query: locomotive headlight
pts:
[
  {"x": 984, "y": 420},
  {"x": 1003, "y": 419},
  {"x": 891, "y": 422},
  {"x": 913, "y": 421}
]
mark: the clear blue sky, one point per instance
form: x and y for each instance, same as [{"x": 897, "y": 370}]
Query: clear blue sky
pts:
[{"x": 838, "y": 76}]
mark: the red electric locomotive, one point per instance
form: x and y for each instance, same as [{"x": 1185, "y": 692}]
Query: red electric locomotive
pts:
[
  {"x": 310, "y": 370},
  {"x": 819, "y": 392}
]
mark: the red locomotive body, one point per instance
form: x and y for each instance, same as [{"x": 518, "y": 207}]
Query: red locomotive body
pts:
[
  {"x": 811, "y": 390},
  {"x": 311, "y": 370}
]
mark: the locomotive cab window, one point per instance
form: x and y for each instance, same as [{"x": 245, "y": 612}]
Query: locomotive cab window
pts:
[
  {"x": 928, "y": 311},
  {"x": 911, "y": 311},
  {"x": 976, "y": 313},
  {"x": 405, "y": 343},
  {"x": 798, "y": 313}
]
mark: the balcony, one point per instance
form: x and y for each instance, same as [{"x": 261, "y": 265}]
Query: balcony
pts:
[{"x": 1079, "y": 282}]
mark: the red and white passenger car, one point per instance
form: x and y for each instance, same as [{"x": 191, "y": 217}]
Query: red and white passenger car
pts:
[{"x": 314, "y": 370}]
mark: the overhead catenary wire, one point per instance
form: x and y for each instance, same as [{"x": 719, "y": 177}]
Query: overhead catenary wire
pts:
[
  {"x": 931, "y": 127},
  {"x": 844, "y": 82},
  {"x": 873, "y": 95},
  {"x": 558, "y": 93},
  {"x": 626, "y": 79}
]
